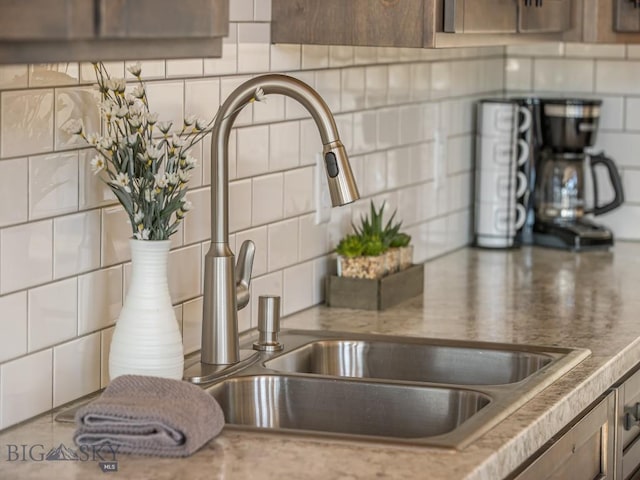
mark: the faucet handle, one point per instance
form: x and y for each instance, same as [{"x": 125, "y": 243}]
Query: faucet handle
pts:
[
  {"x": 243, "y": 269},
  {"x": 268, "y": 324}
]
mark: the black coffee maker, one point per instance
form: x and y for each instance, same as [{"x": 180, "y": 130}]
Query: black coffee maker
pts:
[{"x": 567, "y": 128}]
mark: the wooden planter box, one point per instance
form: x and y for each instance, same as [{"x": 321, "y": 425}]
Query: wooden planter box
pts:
[{"x": 377, "y": 294}]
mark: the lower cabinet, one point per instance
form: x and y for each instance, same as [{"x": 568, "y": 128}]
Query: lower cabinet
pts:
[
  {"x": 583, "y": 450},
  {"x": 628, "y": 427}
]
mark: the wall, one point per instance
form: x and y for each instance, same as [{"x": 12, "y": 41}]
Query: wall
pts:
[
  {"x": 609, "y": 72},
  {"x": 405, "y": 117}
]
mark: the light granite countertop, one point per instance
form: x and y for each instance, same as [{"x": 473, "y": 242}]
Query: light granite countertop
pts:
[{"x": 527, "y": 296}]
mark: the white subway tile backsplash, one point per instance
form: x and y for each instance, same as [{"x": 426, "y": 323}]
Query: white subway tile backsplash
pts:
[
  {"x": 313, "y": 238},
  {"x": 320, "y": 272},
  {"x": 184, "y": 272},
  {"x": 253, "y": 47},
  {"x": 375, "y": 173},
  {"x": 13, "y": 76},
  {"x": 167, "y": 100},
  {"x": 376, "y": 85},
  {"x": 340, "y": 56},
  {"x": 73, "y": 104},
  {"x": 93, "y": 191},
  {"x": 54, "y": 74},
  {"x": 241, "y": 10},
  {"x": 284, "y": 146},
  {"x": 187, "y": 67},
  {"x": 398, "y": 168},
  {"x": 563, "y": 75},
  {"x": 364, "y": 131},
  {"x": 590, "y": 50},
  {"x": 253, "y": 151},
  {"x": 202, "y": 98},
  {"x": 228, "y": 63},
  {"x": 192, "y": 325},
  {"x": 105, "y": 344},
  {"x": 519, "y": 74},
  {"x": 612, "y": 113},
  {"x": 26, "y": 122},
  {"x": 26, "y": 257},
  {"x": 365, "y": 55},
  {"x": 116, "y": 232},
  {"x": 328, "y": 86},
  {"x": 388, "y": 128},
  {"x": 285, "y": 57},
  {"x": 239, "y": 205},
  {"x": 283, "y": 244},
  {"x": 13, "y": 325},
  {"x": 420, "y": 81},
  {"x": 76, "y": 369},
  {"x": 151, "y": 69},
  {"x": 298, "y": 191},
  {"x": 315, "y": 56},
  {"x": 353, "y": 88},
  {"x": 267, "y": 199},
  {"x": 630, "y": 179},
  {"x": 76, "y": 243},
  {"x": 26, "y": 385},
  {"x": 297, "y": 295},
  {"x": 88, "y": 75},
  {"x": 100, "y": 296},
  {"x": 53, "y": 314},
  {"x": 546, "y": 49},
  {"x": 262, "y": 10},
  {"x": 53, "y": 184},
  {"x": 632, "y": 114},
  {"x": 197, "y": 223},
  {"x": 615, "y": 76},
  {"x": 13, "y": 191},
  {"x": 441, "y": 79}
]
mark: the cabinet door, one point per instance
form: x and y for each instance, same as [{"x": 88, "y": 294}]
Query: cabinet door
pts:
[
  {"x": 542, "y": 16},
  {"x": 584, "y": 451},
  {"x": 384, "y": 23},
  {"x": 627, "y": 17},
  {"x": 480, "y": 16},
  {"x": 46, "y": 20},
  {"x": 160, "y": 19}
]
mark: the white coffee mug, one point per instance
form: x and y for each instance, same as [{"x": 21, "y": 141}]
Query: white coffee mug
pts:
[
  {"x": 499, "y": 117},
  {"x": 495, "y": 186},
  {"x": 496, "y": 152},
  {"x": 497, "y": 223}
]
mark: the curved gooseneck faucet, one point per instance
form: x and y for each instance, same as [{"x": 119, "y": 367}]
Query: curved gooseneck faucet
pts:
[{"x": 226, "y": 288}]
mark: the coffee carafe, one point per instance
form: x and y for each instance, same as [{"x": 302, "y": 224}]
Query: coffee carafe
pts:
[{"x": 568, "y": 127}]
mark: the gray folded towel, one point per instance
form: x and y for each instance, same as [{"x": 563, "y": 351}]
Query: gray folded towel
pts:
[{"x": 150, "y": 416}]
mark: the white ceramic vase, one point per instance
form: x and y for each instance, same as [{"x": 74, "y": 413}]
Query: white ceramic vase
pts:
[{"x": 146, "y": 339}]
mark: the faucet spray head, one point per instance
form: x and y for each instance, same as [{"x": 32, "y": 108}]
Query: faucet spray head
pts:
[{"x": 342, "y": 185}]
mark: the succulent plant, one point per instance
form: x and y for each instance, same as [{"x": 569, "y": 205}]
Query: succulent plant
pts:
[
  {"x": 400, "y": 240},
  {"x": 350, "y": 246}
]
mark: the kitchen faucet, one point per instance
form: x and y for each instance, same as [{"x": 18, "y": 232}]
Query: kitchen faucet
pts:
[{"x": 226, "y": 288}]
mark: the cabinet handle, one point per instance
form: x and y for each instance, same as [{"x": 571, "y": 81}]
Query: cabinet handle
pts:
[{"x": 632, "y": 419}]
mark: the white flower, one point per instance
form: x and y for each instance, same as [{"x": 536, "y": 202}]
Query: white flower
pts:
[
  {"x": 93, "y": 138},
  {"x": 130, "y": 99},
  {"x": 142, "y": 235},
  {"x": 106, "y": 143},
  {"x": 137, "y": 217},
  {"x": 190, "y": 120},
  {"x": 121, "y": 112},
  {"x": 200, "y": 124},
  {"x": 107, "y": 105},
  {"x": 191, "y": 161},
  {"x": 135, "y": 69},
  {"x": 259, "y": 95},
  {"x": 122, "y": 180},
  {"x": 74, "y": 127},
  {"x": 97, "y": 164},
  {"x": 186, "y": 205},
  {"x": 138, "y": 91},
  {"x": 172, "y": 178},
  {"x": 184, "y": 175},
  {"x": 177, "y": 142},
  {"x": 118, "y": 85},
  {"x": 161, "y": 180},
  {"x": 136, "y": 109},
  {"x": 135, "y": 121},
  {"x": 153, "y": 152},
  {"x": 164, "y": 127},
  {"x": 151, "y": 118},
  {"x": 131, "y": 140}
]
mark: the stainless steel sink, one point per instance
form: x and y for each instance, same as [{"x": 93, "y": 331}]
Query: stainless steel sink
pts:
[
  {"x": 441, "y": 393},
  {"x": 417, "y": 362},
  {"x": 344, "y": 407}
]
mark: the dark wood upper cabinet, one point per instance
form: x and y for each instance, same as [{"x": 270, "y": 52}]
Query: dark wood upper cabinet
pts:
[
  {"x": 544, "y": 16},
  {"x": 86, "y": 30},
  {"x": 404, "y": 23},
  {"x": 606, "y": 21}
]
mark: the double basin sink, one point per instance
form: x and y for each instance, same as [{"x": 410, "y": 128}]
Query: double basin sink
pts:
[{"x": 440, "y": 393}]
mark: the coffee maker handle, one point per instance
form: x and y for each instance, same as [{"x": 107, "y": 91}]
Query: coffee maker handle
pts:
[{"x": 616, "y": 182}]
